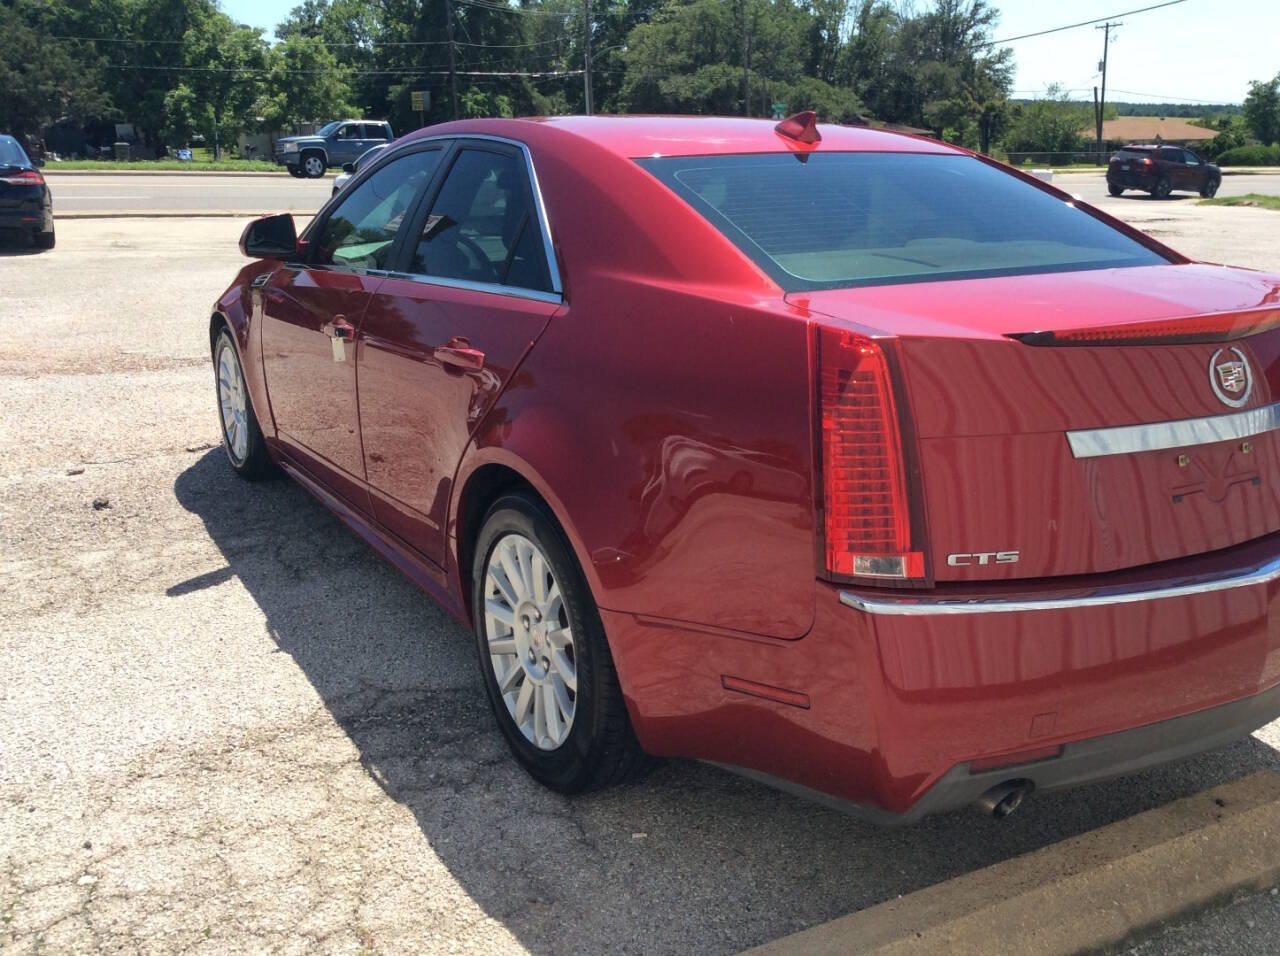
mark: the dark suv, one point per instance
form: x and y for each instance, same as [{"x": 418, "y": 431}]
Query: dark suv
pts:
[{"x": 1160, "y": 170}]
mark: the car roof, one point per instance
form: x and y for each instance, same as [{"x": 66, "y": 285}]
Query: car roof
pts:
[{"x": 640, "y": 136}]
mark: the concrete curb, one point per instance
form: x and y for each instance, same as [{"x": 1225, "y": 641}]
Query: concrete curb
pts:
[
  {"x": 172, "y": 214},
  {"x": 1098, "y": 891},
  {"x": 56, "y": 173}
]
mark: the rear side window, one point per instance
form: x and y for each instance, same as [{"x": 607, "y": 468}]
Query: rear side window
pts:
[
  {"x": 846, "y": 219},
  {"x": 482, "y": 226},
  {"x": 11, "y": 154}
]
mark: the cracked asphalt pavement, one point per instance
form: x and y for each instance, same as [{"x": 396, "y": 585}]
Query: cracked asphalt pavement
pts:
[{"x": 227, "y": 726}]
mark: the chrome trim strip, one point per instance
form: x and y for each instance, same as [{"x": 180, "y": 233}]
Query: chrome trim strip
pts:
[
  {"x": 509, "y": 290},
  {"x": 552, "y": 266},
  {"x": 1128, "y": 439},
  {"x": 1100, "y": 597}
]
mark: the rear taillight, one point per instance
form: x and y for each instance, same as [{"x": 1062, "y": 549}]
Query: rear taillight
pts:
[
  {"x": 26, "y": 177},
  {"x": 867, "y": 513}
]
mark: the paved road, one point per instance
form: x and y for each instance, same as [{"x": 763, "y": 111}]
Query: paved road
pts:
[
  {"x": 247, "y": 195},
  {"x": 253, "y": 195},
  {"x": 226, "y": 725},
  {"x": 1092, "y": 187}
]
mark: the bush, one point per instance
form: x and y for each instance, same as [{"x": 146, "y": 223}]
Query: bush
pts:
[{"x": 1251, "y": 156}]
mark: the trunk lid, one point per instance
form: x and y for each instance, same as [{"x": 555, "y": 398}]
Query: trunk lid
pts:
[{"x": 991, "y": 416}]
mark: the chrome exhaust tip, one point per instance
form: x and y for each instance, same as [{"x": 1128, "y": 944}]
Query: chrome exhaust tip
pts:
[{"x": 1002, "y": 799}]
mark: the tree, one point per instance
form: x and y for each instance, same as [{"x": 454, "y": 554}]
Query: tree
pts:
[
  {"x": 1051, "y": 124},
  {"x": 1262, "y": 110},
  {"x": 304, "y": 83},
  {"x": 43, "y": 79},
  {"x": 226, "y": 67}
]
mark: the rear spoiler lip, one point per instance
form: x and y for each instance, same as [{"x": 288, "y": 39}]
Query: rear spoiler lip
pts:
[{"x": 1204, "y": 329}]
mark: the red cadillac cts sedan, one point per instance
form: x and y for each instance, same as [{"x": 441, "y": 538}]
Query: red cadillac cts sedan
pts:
[{"x": 851, "y": 460}]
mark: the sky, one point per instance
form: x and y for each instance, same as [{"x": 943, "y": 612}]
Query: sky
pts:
[{"x": 1198, "y": 50}]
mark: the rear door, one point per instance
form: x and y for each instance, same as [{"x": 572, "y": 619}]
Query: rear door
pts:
[
  {"x": 311, "y": 311},
  {"x": 1172, "y": 165},
  {"x": 475, "y": 287}
]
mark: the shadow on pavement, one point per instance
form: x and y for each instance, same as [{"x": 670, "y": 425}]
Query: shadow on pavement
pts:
[{"x": 688, "y": 859}]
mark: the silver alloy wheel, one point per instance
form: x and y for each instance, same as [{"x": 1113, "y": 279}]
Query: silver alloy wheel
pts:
[
  {"x": 530, "y": 641},
  {"x": 314, "y": 166},
  {"x": 233, "y": 404}
]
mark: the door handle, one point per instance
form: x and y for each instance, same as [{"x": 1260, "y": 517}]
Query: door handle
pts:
[
  {"x": 460, "y": 354},
  {"x": 340, "y": 328}
]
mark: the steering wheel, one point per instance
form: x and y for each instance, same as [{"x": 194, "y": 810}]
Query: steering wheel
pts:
[{"x": 473, "y": 251}]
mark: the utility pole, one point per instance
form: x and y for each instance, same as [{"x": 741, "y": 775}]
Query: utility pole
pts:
[
  {"x": 1097, "y": 119},
  {"x": 453, "y": 62},
  {"x": 586, "y": 72},
  {"x": 746, "y": 63},
  {"x": 1102, "y": 101}
]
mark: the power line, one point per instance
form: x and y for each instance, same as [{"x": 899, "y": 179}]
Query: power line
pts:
[
  {"x": 1085, "y": 23},
  {"x": 344, "y": 44},
  {"x": 386, "y": 72},
  {"x": 1170, "y": 99}
]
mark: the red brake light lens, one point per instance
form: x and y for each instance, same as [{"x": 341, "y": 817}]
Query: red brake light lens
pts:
[
  {"x": 25, "y": 177},
  {"x": 864, "y": 487},
  {"x": 1222, "y": 327}
]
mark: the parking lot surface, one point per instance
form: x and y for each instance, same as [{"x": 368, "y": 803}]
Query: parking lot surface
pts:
[{"x": 226, "y": 725}]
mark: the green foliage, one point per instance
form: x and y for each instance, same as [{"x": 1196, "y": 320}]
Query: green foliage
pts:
[
  {"x": 1250, "y": 156},
  {"x": 1262, "y": 109},
  {"x": 304, "y": 83},
  {"x": 1052, "y": 124},
  {"x": 41, "y": 79}
]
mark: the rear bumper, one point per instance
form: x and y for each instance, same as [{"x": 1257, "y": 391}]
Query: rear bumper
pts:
[
  {"x": 887, "y": 702},
  {"x": 1131, "y": 180},
  {"x": 1079, "y": 762},
  {"x": 30, "y": 217}
]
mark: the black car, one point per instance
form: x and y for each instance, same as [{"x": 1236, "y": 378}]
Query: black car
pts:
[
  {"x": 1160, "y": 170},
  {"x": 26, "y": 205}
]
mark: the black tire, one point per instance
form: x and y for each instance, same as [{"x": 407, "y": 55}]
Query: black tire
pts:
[
  {"x": 44, "y": 240},
  {"x": 295, "y": 171},
  {"x": 1210, "y": 188},
  {"x": 600, "y": 749},
  {"x": 255, "y": 464},
  {"x": 1115, "y": 190},
  {"x": 312, "y": 164},
  {"x": 1162, "y": 188}
]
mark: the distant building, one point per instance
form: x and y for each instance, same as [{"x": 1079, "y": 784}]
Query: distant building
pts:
[{"x": 1149, "y": 129}]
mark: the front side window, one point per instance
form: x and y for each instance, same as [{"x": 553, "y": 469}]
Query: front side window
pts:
[
  {"x": 482, "y": 226},
  {"x": 351, "y": 131},
  {"x": 359, "y": 233},
  {"x": 1190, "y": 158},
  {"x": 832, "y": 220}
]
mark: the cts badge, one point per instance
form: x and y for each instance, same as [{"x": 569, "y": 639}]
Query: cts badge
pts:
[{"x": 982, "y": 557}]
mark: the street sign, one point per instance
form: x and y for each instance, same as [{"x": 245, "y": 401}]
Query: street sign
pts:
[
  {"x": 419, "y": 100},
  {"x": 779, "y": 110}
]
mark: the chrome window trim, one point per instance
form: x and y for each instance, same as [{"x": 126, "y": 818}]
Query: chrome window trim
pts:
[
  {"x": 1102, "y": 597},
  {"x": 553, "y": 268},
  {"x": 1130, "y": 439},
  {"x": 514, "y": 291}
]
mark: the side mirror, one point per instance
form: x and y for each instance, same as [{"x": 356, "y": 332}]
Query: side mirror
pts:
[
  {"x": 348, "y": 167},
  {"x": 38, "y": 163},
  {"x": 271, "y": 237}
]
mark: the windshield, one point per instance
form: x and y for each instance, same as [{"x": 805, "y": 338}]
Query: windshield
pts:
[
  {"x": 328, "y": 128},
  {"x": 1133, "y": 153},
  {"x": 11, "y": 154},
  {"x": 842, "y": 219}
]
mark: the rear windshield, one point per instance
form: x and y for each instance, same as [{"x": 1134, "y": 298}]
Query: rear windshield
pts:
[
  {"x": 11, "y": 154},
  {"x": 1134, "y": 153},
  {"x": 844, "y": 219}
]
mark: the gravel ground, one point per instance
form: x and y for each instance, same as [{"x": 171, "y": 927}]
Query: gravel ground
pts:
[
  {"x": 226, "y": 725},
  {"x": 1247, "y": 927}
]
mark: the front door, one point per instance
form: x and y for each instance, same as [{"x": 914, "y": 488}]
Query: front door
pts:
[
  {"x": 442, "y": 337},
  {"x": 311, "y": 311}
]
